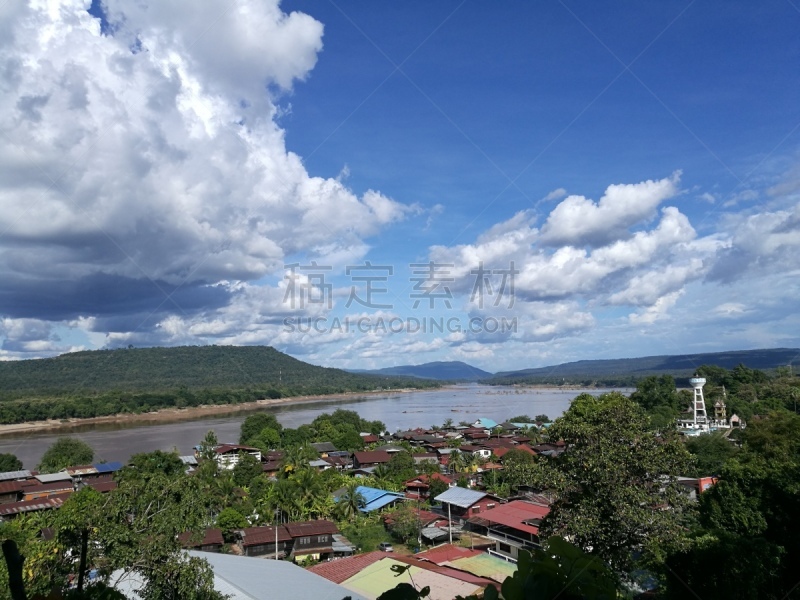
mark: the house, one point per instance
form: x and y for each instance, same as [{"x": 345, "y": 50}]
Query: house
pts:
[
  {"x": 426, "y": 457},
  {"x": 463, "y": 503},
  {"x": 45, "y": 490},
  {"x": 210, "y": 541},
  {"x": 323, "y": 448},
  {"x": 433, "y": 528},
  {"x": 227, "y": 455},
  {"x": 386, "y": 573},
  {"x": 319, "y": 464},
  {"x": 696, "y": 485},
  {"x": 478, "y": 451},
  {"x": 246, "y": 578},
  {"x": 261, "y": 541},
  {"x": 484, "y": 423},
  {"x": 476, "y": 562},
  {"x": 370, "y": 459},
  {"x": 369, "y": 438},
  {"x": 312, "y": 538},
  {"x": 417, "y": 487},
  {"x": 513, "y": 526},
  {"x": 374, "y": 498}
]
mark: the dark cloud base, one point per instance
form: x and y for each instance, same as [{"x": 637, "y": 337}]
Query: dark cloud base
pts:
[{"x": 107, "y": 297}]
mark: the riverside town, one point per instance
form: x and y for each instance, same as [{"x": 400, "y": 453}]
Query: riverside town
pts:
[{"x": 399, "y": 300}]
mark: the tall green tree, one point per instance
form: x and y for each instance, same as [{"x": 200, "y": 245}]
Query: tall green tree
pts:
[
  {"x": 66, "y": 452},
  {"x": 246, "y": 469},
  {"x": 351, "y": 501},
  {"x": 255, "y": 423},
  {"x": 616, "y": 481}
]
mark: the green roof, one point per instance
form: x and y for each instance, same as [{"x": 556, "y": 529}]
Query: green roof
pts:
[{"x": 485, "y": 565}]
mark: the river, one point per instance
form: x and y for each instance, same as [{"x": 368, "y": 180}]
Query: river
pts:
[{"x": 118, "y": 441}]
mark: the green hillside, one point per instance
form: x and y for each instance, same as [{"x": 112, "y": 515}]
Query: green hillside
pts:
[
  {"x": 627, "y": 371},
  {"x": 104, "y": 382}
]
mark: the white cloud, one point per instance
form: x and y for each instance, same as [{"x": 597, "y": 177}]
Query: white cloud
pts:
[
  {"x": 577, "y": 220},
  {"x": 162, "y": 165}
]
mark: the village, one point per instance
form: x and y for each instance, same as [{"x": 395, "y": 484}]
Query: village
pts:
[{"x": 456, "y": 518}]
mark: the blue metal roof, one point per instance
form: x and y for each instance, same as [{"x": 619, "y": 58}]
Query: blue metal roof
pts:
[
  {"x": 487, "y": 423},
  {"x": 108, "y": 467},
  {"x": 374, "y": 498}
]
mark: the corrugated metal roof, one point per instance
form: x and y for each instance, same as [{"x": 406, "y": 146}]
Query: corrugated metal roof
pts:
[
  {"x": 109, "y": 467},
  {"x": 51, "y": 477},
  {"x": 305, "y": 528},
  {"x": 9, "y": 475},
  {"x": 259, "y": 579},
  {"x": 461, "y": 497}
]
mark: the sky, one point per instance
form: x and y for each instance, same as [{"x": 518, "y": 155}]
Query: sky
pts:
[{"x": 368, "y": 184}]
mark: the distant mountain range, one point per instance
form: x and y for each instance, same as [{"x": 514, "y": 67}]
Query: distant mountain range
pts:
[
  {"x": 681, "y": 365},
  {"x": 584, "y": 371},
  {"x": 442, "y": 371}
]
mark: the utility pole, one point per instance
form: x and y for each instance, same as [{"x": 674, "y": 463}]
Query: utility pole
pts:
[{"x": 449, "y": 523}]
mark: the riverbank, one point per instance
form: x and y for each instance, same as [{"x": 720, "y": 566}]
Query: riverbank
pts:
[{"x": 175, "y": 415}]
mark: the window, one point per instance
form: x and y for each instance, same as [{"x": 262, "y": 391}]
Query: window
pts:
[
  {"x": 492, "y": 505},
  {"x": 305, "y": 540},
  {"x": 322, "y": 538},
  {"x": 503, "y": 547},
  {"x": 476, "y": 510}
]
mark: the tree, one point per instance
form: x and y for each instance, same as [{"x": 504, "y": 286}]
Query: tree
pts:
[
  {"x": 9, "y": 462},
  {"x": 656, "y": 390},
  {"x": 158, "y": 461},
  {"x": 616, "y": 482},
  {"x": 710, "y": 451},
  {"x": 401, "y": 466},
  {"x": 435, "y": 487},
  {"x": 405, "y": 523},
  {"x": 246, "y": 469},
  {"x": 229, "y": 520},
  {"x": 254, "y": 424},
  {"x": 66, "y": 452},
  {"x": 208, "y": 446},
  {"x": 351, "y": 501}
]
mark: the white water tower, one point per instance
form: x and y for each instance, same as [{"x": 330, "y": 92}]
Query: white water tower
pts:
[{"x": 699, "y": 403}]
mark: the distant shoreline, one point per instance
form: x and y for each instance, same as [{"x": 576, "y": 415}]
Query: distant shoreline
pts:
[
  {"x": 176, "y": 415},
  {"x": 172, "y": 415}
]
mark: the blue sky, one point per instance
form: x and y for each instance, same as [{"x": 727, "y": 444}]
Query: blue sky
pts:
[{"x": 638, "y": 164}]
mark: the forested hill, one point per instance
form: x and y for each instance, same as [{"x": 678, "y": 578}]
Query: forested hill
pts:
[
  {"x": 625, "y": 371},
  {"x": 192, "y": 367}
]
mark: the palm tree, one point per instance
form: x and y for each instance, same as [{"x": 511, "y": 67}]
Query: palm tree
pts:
[
  {"x": 457, "y": 461},
  {"x": 448, "y": 423},
  {"x": 352, "y": 501}
]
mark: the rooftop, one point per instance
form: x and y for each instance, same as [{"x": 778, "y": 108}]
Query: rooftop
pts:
[{"x": 461, "y": 497}]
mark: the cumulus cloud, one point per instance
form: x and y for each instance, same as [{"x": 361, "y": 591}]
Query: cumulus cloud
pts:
[
  {"x": 142, "y": 163},
  {"x": 580, "y": 221}
]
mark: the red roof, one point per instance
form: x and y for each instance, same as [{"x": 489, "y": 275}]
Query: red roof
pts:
[
  {"x": 343, "y": 569},
  {"x": 254, "y": 536},
  {"x": 426, "y": 479},
  {"x": 375, "y": 456},
  {"x": 447, "y": 553},
  {"x": 8, "y": 487},
  {"x": 425, "y": 517},
  {"x": 102, "y": 486},
  {"x": 369, "y": 439},
  {"x": 514, "y": 515},
  {"x": 14, "y": 508},
  {"x": 306, "y": 528},
  {"x": 210, "y": 536}
]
